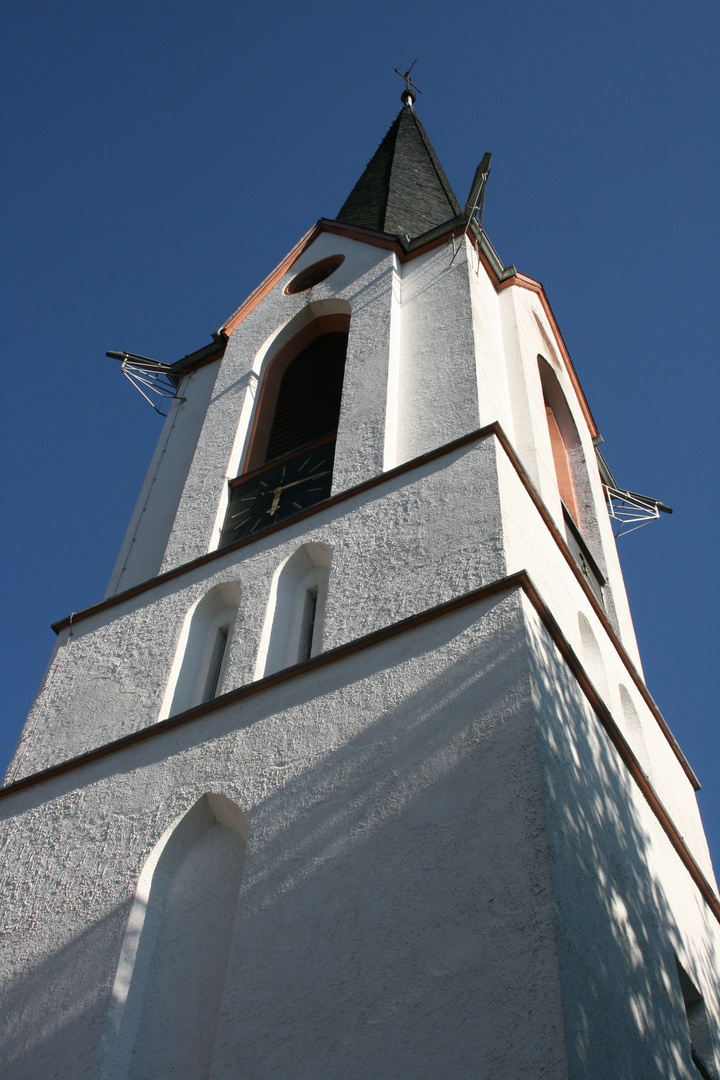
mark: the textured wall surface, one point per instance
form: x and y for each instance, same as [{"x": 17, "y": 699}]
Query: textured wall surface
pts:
[
  {"x": 391, "y": 558},
  {"x": 625, "y": 905},
  {"x": 395, "y": 917},
  {"x": 449, "y": 869}
]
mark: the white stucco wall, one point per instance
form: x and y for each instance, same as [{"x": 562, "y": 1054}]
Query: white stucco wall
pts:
[
  {"x": 143, "y": 548},
  {"x": 437, "y": 398},
  {"x": 448, "y": 870},
  {"x": 625, "y": 904},
  {"x": 425, "y": 816},
  {"x": 362, "y": 285},
  {"x": 394, "y": 917},
  {"x": 392, "y": 556},
  {"x": 528, "y": 334},
  {"x": 529, "y": 546},
  {"x": 434, "y": 352}
]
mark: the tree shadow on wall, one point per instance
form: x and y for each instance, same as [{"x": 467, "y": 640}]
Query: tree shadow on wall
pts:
[
  {"x": 396, "y": 914},
  {"x": 616, "y": 930}
]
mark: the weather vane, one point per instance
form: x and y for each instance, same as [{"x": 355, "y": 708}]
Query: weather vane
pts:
[{"x": 409, "y": 93}]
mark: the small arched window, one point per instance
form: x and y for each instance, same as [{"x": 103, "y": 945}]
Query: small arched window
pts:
[
  {"x": 296, "y": 608},
  {"x": 290, "y": 458},
  {"x": 201, "y": 657}
]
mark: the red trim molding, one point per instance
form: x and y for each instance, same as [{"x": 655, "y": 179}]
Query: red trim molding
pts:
[
  {"x": 391, "y": 243},
  {"x": 520, "y": 581},
  {"x": 491, "y": 430}
]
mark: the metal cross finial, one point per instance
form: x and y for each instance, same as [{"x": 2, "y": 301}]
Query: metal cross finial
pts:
[{"x": 411, "y": 91}]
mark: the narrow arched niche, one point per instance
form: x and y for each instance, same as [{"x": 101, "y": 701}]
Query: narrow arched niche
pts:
[
  {"x": 166, "y": 999},
  {"x": 633, "y": 727},
  {"x": 294, "y": 621},
  {"x": 592, "y": 658},
  {"x": 580, "y": 521},
  {"x": 202, "y": 654}
]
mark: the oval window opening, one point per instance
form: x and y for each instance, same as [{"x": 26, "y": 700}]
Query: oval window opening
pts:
[{"x": 314, "y": 274}]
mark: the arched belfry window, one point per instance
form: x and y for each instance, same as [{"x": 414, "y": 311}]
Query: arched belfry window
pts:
[
  {"x": 308, "y": 401},
  {"x": 564, "y": 438},
  {"x": 289, "y": 463},
  {"x": 572, "y": 478}
]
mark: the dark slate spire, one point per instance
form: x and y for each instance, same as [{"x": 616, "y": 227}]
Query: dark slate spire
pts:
[{"x": 403, "y": 189}]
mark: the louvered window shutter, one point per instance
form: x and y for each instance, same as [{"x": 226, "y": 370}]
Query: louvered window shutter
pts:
[{"x": 308, "y": 404}]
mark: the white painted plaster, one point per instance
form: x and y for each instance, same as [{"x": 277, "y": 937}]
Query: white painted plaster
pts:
[
  {"x": 528, "y": 545},
  {"x": 492, "y": 372},
  {"x": 395, "y": 913},
  {"x": 390, "y": 454},
  {"x": 528, "y": 425},
  {"x": 592, "y": 659},
  {"x": 528, "y": 336},
  {"x": 392, "y": 557},
  {"x": 165, "y": 1000},
  {"x": 364, "y": 285},
  {"x": 624, "y": 901},
  {"x": 450, "y": 870},
  {"x": 437, "y": 388},
  {"x": 142, "y": 551},
  {"x": 633, "y": 728}
]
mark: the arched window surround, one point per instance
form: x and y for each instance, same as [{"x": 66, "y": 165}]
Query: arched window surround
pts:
[
  {"x": 165, "y": 1003},
  {"x": 275, "y": 343},
  {"x": 568, "y": 457},
  {"x": 593, "y": 659},
  {"x": 574, "y": 488},
  {"x": 311, "y": 323},
  {"x": 250, "y": 447},
  {"x": 634, "y": 729},
  {"x": 286, "y": 637},
  {"x": 202, "y": 653}
]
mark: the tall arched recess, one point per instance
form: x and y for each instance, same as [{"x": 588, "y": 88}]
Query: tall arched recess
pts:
[
  {"x": 289, "y": 462},
  {"x": 166, "y": 999}
]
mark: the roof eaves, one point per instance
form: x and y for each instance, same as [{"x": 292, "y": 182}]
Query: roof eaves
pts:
[{"x": 200, "y": 356}]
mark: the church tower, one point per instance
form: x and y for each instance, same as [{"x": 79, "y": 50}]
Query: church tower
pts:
[{"x": 353, "y": 772}]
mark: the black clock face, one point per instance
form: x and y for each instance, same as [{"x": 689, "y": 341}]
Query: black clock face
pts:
[{"x": 278, "y": 491}]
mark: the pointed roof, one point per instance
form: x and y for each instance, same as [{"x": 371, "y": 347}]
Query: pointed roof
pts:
[{"x": 403, "y": 189}]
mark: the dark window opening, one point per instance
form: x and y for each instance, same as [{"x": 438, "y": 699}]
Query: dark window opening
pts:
[
  {"x": 308, "y": 402},
  {"x": 313, "y": 275},
  {"x": 307, "y": 630},
  {"x": 215, "y": 666},
  {"x": 292, "y": 450},
  {"x": 581, "y": 554}
]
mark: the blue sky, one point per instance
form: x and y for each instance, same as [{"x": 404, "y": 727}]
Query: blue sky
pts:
[{"x": 160, "y": 159}]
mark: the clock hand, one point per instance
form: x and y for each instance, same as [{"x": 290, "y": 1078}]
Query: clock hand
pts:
[
  {"x": 277, "y": 492},
  {"x": 302, "y": 480}
]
